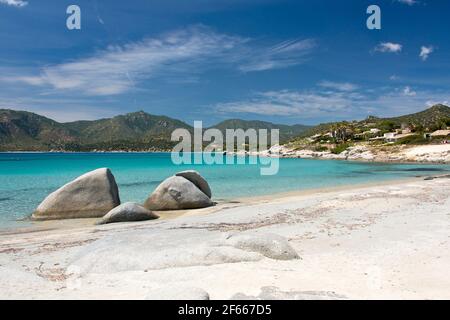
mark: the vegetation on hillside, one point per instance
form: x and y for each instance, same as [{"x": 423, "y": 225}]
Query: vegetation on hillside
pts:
[{"x": 137, "y": 131}]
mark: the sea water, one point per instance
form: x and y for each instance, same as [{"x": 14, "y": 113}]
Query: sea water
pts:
[{"x": 27, "y": 178}]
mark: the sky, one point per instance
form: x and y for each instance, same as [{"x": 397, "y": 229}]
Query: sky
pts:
[{"x": 291, "y": 62}]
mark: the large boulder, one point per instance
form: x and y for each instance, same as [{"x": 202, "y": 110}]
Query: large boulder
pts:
[
  {"x": 128, "y": 212},
  {"x": 177, "y": 193},
  {"x": 91, "y": 195},
  {"x": 195, "y": 177}
]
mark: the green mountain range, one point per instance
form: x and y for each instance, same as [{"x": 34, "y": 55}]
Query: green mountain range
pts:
[
  {"x": 137, "y": 131},
  {"x": 26, "y": 131}
]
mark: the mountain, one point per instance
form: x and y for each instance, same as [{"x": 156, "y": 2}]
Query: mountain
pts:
[
  {"x": 430, "y": 119},
  {"x": 132, "y": 126},
  {"x": 286, "y": 132},
  {"x": 21, "y": 130},
  {"x": 427, "y": 118},
  {"x": 27, "y": 131}
]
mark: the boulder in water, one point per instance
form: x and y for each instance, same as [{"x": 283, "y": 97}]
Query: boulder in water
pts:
[
  {"x": 195, "y": 177},
  {"x": 91, "y": 195},
  {"x": 177, "y": 193}
]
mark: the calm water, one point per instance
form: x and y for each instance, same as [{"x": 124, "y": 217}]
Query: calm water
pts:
[{"x": 25, "y": 179}]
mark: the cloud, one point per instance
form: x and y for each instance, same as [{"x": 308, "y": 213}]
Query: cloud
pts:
[
  {"x": 14, "y": 3},
  {"x": 187, "y": 52},
  {"x": 394, "y": 77},
  {"x": 408, "y": 2},
  {"x": 285, "y": 54},
  {"x": 408, "y": 92},
  {"x": 333, "y": 105},
  {"x": 292, "y": 103},
  {"x": 389, "y": 47},
  {"x": 425, "y": 52},
  {"x": 431, "y": 103},
  {"x": 340, "y": 86}
]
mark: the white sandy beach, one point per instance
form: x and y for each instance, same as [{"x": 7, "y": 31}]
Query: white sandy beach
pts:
[{"x": 386, "y": 241}]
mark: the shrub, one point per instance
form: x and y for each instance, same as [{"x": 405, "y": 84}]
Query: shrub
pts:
[
  {"x": 320, "y": 148},
  {"x": 340, "y": 148}
]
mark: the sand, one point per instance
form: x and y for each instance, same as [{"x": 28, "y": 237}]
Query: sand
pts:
[{"x": 384, "y": 241}]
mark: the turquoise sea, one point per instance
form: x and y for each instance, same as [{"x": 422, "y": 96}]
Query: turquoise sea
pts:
[{"x": 27, "y": 178}]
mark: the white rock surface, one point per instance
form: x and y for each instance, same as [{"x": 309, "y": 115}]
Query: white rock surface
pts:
[
  {"x": 178, "y": 293},
  {"x": 269, "y": 245}
]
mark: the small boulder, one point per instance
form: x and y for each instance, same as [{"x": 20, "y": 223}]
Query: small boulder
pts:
[
  {"x": 91, "y": 195},
  {"x": 128, "y": 212},
  {"x": 195, "y": 177},
  {"x": 177, "y": 193}
]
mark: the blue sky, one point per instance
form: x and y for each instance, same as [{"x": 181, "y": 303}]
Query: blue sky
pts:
[{"x": 281, "y": 61}]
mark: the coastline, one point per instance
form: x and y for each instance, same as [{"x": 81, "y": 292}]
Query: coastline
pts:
[
  {"x": 221, "y": 204},
  {"x": 422, "y": 154},
  {"x": 386, "y": 241}
]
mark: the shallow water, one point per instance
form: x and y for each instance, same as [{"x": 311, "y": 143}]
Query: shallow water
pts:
[{"x": 27, "y": 178}]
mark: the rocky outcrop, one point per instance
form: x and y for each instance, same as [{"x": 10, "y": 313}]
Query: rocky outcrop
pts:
[
  {"x": 91, "y": 195},
  {"x": 128, "y": 212},
  {"x": 177, "y": 193},
  {"x": 269, "y": 245},
  {"x": 195, "y": 177},
  {"x": 139, "y": 250}
]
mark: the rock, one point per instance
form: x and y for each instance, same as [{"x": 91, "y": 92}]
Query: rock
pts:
[
  {"x": 128, "y": 212},
  {"x": 176, "y": 193},
  {"x": 141, "y": 250},
  {"x": 91, "y": 195},
  {"x": 178, "y": 293},
  {"x": 269, "y": 245},
  {"x": 195, "y": 177}
]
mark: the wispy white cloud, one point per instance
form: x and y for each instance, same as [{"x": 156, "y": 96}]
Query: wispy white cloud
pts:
[
  {"x": 394, "y": 77},
  {"x": 408, "y": 2},
  {"x": 389, "y": 47},
  {"x": 293, "y": 103},
  {"x": 186, "y": 52},
  {"x": 334, "y": 104},
  {"x": 431, "y": 103},
  {"x": 14, "y": 3},
  {"x": 285, "y": 54},
  {"x": 340, "y": 86},
  {"x": 425, "y": 52},
  {"x": 407, "y": 91}
]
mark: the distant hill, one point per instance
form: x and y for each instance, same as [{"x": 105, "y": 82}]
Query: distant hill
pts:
[
  {"x": 132, "y": 126},
  {"x": 21, "y": 130},
  {"x": 286, "y": 132},
  {"x": 427, "y": 120},
  {"x": 26, "y": 131}
]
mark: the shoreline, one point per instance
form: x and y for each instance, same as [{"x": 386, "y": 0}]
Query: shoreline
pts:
[
  {"x": 389, "y": 241},
  {"x": 221, "y": 204},
  {"x": 362, "y": 153}
]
